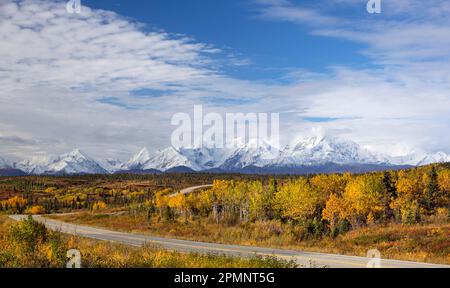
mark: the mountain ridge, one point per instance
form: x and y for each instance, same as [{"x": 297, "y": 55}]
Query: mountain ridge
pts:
[
  {"x": 74, "y": 162},
  {"x": 317, "y": 153}
]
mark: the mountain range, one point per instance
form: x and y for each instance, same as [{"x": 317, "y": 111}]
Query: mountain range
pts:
[{"x": 316, "y": 154}]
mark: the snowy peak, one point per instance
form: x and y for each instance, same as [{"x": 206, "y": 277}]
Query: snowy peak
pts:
[
  {"x": 36, "y": 165},
  {"x": 138, "y": 160},
  {"x": 75, "y": 162},
  {"x": 252, "y": 154},
  {"x": 76, "y": 156},
  {"x": 307, "y": 153},
  {"x": 420, "y": 159},
  {"x": 196, "y": 159},
  {"x": 323, "y": 149},
  {"x": 310, "y": 142},
  {"x": 439, "y": 157},
  {"x": 205, "y": 158},
  {"x": 170, "y": 158},
  {"x": 317, "y": 150}
]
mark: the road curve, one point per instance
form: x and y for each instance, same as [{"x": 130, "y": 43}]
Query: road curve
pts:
[
  {"x": 190, "y": 190},
  {"x": 305, "y": 259}
]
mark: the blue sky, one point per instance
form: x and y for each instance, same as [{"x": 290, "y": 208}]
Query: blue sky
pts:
[
  {"x": 272, "y": 47},
  {"x": 108, "y": 80}
]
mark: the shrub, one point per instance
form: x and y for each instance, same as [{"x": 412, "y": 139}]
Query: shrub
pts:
[
  {"x": 410, "y": 213},
  {"x": 35, "y": 210},
  {"x": 342, "y": 227},
  {"x": 442, "y": 215},
  {"x": 99, "y": 205},
  {"x": 316, "y": 228},
  {"x": 30, "y": 244},
  {"x": 27, "y": 234}
]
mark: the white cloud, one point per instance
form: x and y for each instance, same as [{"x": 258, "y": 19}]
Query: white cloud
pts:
[
  {"x": 68, "y": 80},
  {"x": 405, "y": 98},
  {"x": 275, "y": 9},
  {"x": 58, "y": 70}
]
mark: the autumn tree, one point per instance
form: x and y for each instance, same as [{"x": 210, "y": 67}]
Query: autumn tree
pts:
[
  {"x": 257, "y": 200},
  {"x": 35, "y": 210},
  {"x": 444, "y": 187},
  {"x": 99, "y": 205},
  {"x": 363, "y": 199},
  {"x": 268, "y": 199},
  {"x": 297, "y": 200},
  {"x": 334, "y": 210},
  {"x": 329, "y": 184},
  {"x": 409, "y": 187}
]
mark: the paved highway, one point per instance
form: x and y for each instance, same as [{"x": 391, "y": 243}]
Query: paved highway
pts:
[
  {"x": 302, "y": 258},
  {"x": 190, "y": 190}
]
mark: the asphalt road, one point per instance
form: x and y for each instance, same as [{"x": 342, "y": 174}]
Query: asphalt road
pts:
[
  {"x": 190, "y": 190},
  {"x": 306, "y": 259}
]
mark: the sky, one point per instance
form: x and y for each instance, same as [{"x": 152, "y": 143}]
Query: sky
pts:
[{"x": 109, "y": 79}]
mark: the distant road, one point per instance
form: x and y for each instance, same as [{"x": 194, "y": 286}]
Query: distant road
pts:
[
  {"x": 191, "y": 189},
  {"x": 302, "y": 258}
]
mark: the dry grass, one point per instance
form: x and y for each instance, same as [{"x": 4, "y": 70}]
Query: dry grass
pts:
[
  {"x": 422, "y": 243},
  {"x": 100, "y": 254},
  {"x": 96, "y": 254}
]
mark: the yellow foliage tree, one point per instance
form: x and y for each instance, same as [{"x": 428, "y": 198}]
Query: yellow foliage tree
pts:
[
  {"x": 256, "y": 200},
  {"x": 330, "y": 184},
  {"x": 334, "y": 210},
  {"x": 50, "y": 190},
  {"x": 35, "y": 210},
  {"x": 297, "y": 200},
  {"x": 363, "y": 199},
  {"x": 16, "y": 204},
  {"x": 444, "y": 180},
  {"x": 99, "y": 205},
  {"x": 410, "y": 188},
  {"x": 444, "y": 186}
]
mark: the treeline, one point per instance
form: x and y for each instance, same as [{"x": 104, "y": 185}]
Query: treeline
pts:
[
  {"x": 52, "y": 194},
  {"x": 176, "y": 181},
  {"x": 55, "y": 200},
  {"x": 322, "y": 204}
]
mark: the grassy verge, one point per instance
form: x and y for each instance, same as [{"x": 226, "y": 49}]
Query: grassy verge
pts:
[
  {"x": 421, "y": 242},
  {"x": 27, "y": 244}
]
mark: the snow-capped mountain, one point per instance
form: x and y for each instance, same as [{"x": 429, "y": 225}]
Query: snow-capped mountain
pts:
[
  {"x": 420, "y": 158},
  {"x": 205, "y": 158},
  {"x": 162, "y": 160},
  {"x": 36, "y": 165},
  {"x": 319, "y": 150},
  {"x": 137, "y": 161},
  {"x": 169, "y": 158},
  {"x": 439, "y": 157},
  {"x": 196, "y": 159},
  {"x": 252, "y": 154},
  {"x": 75, "y": 162},
  {"x": 7, "y": 170},
  {"x": 317, "y": 153}
]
